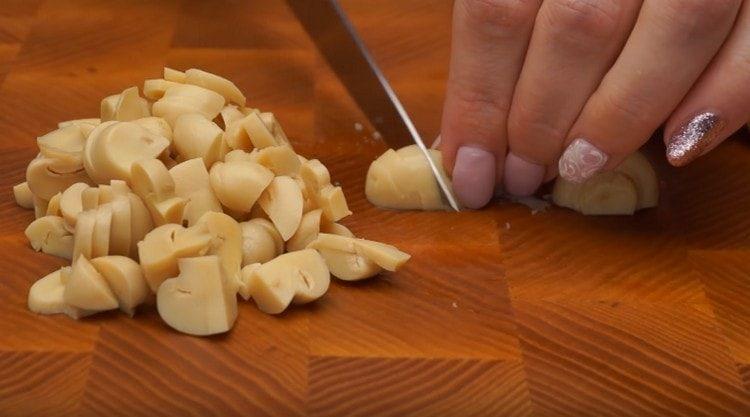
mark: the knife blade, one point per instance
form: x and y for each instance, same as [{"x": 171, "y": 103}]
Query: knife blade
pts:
[{"x": 337, "y": 40}]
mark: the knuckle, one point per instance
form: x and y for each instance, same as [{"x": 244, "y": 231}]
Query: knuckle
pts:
[
  {"x": 698, "y": 17},
  {"x": 585, "y": 20},
  {"x": 476, "y": 111},
  {"x": 497, "y": 16},
  {"x": 534, "y": 134}
]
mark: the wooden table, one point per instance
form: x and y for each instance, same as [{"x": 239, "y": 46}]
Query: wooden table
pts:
[{"x": 499, "y": 313}]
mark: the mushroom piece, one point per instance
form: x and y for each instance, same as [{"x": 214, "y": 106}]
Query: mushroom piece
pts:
[
  {"x": 215, "y": 83},
  {"x": 274, "y": 127},
  {"x": 49, "y": 235},
  {"x": 282, "y": 201},
  {"x": 174, "y": 75},
  {"x": 153, "y": 183},
  {"x": 64, "y": 146},
  {"x": 154, "y": 89},
  {"x": 46, "y": 296},
  {"x": 199, "y": 301},
  {"x": 40, "y": 207},
  {"x": 125, "y": 106},
  {"x": 156, "y": 125},
  {"x": 71, "y": 202},
  {"x": 45, "y": 178},
  {"x": 83, "y": 237},
  {"x": 249, "y": 132},
  {"x": 307, "y": 231},
  {"x": 113, "y": 147},
  {"x": 226, "y": 242},
  {"x": 86, "y": 125},
  {"x": 53, "y": 205},
  {"x": 333, "y": 203},
  {"x": 191, "y": 180},
  {"x": 23, "y": 195},
  {"x": 87, "y": 289},
  {"x": 230, "y": 113},
  {"x": 261, "y": 242},
  {"x": 125, "y": 278},
  {"x": 403, "y": 179},
  {"x": 280, "y": 159},
  {"x": 630, "y": 187},
  {"x": 102, "y": 229},
  {"x": 238, "y": 184},
  {"x": 197, "y": 137},
  {"x": 300, "y": 277},
  {"x": 185, "y": 98},
  {"x": 354, "y": 259}
]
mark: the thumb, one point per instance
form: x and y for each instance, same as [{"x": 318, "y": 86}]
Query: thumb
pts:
[{"x": 488, "y": 47}]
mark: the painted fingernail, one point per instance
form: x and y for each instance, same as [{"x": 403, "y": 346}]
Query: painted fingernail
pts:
[
  {"x": 474, "y": 176},
  {"x": 581, "y": 160},
  {"x": 522, "y": 178},
  {"x": 693, "y": 138},
  {"x": 436, "y": 143}
]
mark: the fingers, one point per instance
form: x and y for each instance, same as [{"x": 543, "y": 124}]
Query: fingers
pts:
[
  {"x": 718, "y": 104},
  {"x": 573, "y": 44},
  {"x": 489, "y": 42},
  {"x": 671, "y": 44}
]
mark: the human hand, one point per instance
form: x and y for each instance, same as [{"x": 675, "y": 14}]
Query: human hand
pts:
[{"x": 575, "y": 86}]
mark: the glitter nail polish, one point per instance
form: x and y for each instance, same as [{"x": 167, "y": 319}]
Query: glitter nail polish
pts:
[
  {"x": 581, "y": 160},
  {"x": 693, "y": 138}
]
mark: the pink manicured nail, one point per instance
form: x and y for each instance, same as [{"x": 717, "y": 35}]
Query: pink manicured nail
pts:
[
  {"x": 581, "y": 160},
  {"x": 474, "y": 176},
  {"x": 522, "y": 178}
]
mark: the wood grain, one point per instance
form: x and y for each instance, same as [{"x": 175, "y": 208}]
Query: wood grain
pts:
[{"x": 500, "y": 312}]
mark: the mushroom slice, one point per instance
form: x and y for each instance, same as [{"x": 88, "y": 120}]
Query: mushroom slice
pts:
[
  {"x": 192, "y": 183},
  {"x": 197, "y": 137},
  {"x": 280, "y": 159},
  {"x": 335, "y": 229},
  {"x": 386, "y": 256},
  {"x": 154, "y": 89},
  {"x": 49, "y": 235},
  {"x": 249, "y": 132},
  {"x": 86, "y": 288},
  {"x": 65, "y": 146},
  {"x": 140, "y": 222},
  {"x": 157, "y": 254},
  {"x": 102, "y": 229},
  {"x": 90, "y": 198},
  {"x": 240, "y": 155},
  {"x": 125, "y": 106},
  {"x": 238, "y": 185},
  {"x": 282, "y": 201},
  {"x": 275, "y": 127},
  {"x": 308, "y": 230},
  {"x": 120, "y": 233},
  {"x": 174, "y": 75},
  {"x": 125, "y": 278},
  {"x": 83, "y": 237},
  {"x": 315, "y": 175},
  {"x": 40, "y": 207},
  {"x": 199, "y": 301},
  {"x": 45, "y": 179},
  {"x": 333, "y": 203},
  {"x": 71, "y": 202},
  {"x": 23, "y": 195},
  {"x": 607, "y": 193},
  {"x": 261, "y": 242},
  {"x": 156, "y": 125},
  {"x": 639, "y": 169},
  {"x": 186, "y": 98},
  {"x": 215, "y": 83},
  {"x": 230, "y": 114},
  {"x": 153, "y": 183},
  {"x": 111, "y": 151},
  {"x": 53, "y": 205},
  {"x": 226, "y": 242},
  {"x": 349, "y": 266},
  {"x": 300, "y": 276},
  {"x": 245, "y": 274},
  {"x": 86, "y": 125},
  {"x": 46, "y": 297}
]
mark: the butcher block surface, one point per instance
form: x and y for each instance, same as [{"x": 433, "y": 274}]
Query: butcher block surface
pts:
[{"x": 500, "y": 312}]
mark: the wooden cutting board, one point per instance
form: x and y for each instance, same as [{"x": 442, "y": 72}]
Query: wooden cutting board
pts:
[{"x": 500, "y": 312}]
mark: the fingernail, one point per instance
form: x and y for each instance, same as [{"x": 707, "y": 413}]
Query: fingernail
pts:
[
  {"x": 436, "y": 143},
  {"x": 522, "y": 178},
  {"x": 474, "y": 176},
  {"x": 581, "y": 160},
  {"x": 693, "y": 138}
]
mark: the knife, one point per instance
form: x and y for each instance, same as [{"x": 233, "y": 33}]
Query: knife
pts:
[{"x": 337, "y": 40}]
